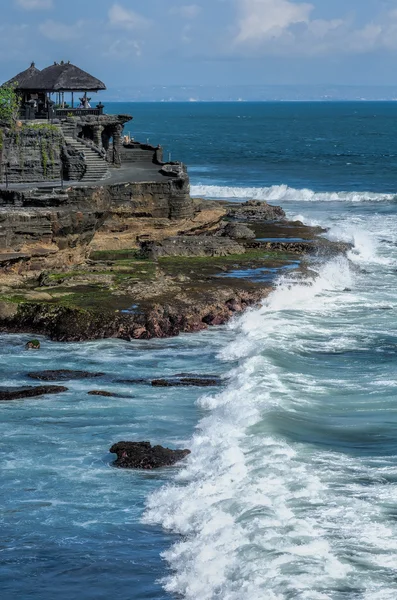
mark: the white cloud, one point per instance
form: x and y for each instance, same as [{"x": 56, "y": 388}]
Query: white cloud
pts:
[
  {"x": 123, "y": 18},
  {"x": 60, "y": 32},
  {"x": 264, "y": 19},
  {"x": 34, "y": 4},
  {"x": 285, "y": 27},
  {"x": 187, "y": 11},
  {"x": 123, "y": 49}
]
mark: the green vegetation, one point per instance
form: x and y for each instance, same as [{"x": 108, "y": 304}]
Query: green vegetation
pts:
[
  {"x": 43, "y": 127},
  {"x": 111, "y": 255},
  {"x": 9, "y": 105}
]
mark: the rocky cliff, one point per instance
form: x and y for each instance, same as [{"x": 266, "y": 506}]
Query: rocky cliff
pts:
[{"x": 30, "y": 153}]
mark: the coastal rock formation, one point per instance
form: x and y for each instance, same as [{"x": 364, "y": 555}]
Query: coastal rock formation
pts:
[
  {"x": 192, "y": 381},
  {"x": 30, "y": 153},
  {"x": 238, "y": 231},
  {"x": 142, "y": 455},
  {"x": 101, "y": 393},
  {"x": 254, "y": 210},
  {"x": 30, "y": 392},
  {"x": 195, "y": 245},
  {"x": 63, "y": 375}
]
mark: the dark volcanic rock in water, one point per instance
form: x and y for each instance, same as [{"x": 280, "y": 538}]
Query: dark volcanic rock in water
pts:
[
  {"x": 254, "y": 210},
  {"x": 187, "y": 382},
  {"x": 30, "y": 392},
  {"x": 101, "y": 393},
  {"x": 142, "y": 455},
  {"x": 63, "y": 375}
]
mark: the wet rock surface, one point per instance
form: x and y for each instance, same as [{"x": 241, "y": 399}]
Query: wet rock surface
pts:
[
  {"x": 63, "y": 375},
  {"x": 254, "y": 210},
  {"x": 181, "y": 284},
  {"x": 29, "y": 392},
  {"x": 200, "y": 245},
  {"x": 103, "y": 393},
  {"x": 142, "y": 455},
  {"x": 187, "y": 382},
  {"x": 238, "y": 231}
]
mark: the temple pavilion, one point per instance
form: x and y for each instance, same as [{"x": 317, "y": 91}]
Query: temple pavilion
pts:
[{"x": 57, "y": 91}]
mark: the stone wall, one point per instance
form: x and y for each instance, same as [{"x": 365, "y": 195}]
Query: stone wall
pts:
[
  {"x": 30, "y": 153},
  {"x": 168, "y": 199},
  {"x": 136, "y": 152}
]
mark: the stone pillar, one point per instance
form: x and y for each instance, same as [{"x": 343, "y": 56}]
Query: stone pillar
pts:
[
  {"x": 117, "y": 131},
  {"x": 97, "y": 135}
]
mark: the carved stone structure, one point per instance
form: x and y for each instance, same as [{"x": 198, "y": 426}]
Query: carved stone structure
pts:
[
  {"x": 111, "y": 182},
  {"x": 103, "y": 132}
]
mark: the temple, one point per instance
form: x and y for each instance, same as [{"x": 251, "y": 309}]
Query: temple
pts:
[
  {"x": 68, "y": 174},
  {"x": 42, "y": 93}
]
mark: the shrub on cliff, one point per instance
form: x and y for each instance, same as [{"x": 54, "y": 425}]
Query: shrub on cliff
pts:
[{"x": 9, "y": 105}]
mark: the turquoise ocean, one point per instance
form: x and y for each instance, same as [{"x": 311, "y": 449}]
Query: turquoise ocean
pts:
[{"x": 290, "y": 492}]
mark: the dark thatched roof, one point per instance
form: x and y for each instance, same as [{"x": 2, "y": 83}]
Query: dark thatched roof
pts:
[
  {"x": 22, "y": 78},
  {"x": 63, "y": 77}
]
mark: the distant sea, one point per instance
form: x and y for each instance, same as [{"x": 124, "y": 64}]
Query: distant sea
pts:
[{"x": 291, "y": 489}]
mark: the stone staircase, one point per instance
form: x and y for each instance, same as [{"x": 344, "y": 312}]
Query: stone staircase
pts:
[{"x": 97, "y": 167}]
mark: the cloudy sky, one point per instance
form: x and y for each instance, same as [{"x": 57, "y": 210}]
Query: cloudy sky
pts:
[{"x": 196, "y": 42}]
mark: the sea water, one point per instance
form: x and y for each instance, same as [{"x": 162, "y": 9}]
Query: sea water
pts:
[{"x": 290, "y": 492}]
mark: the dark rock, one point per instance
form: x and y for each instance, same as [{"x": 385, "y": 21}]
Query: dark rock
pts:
[
  {"x": 254, "y": 210},
  {"x": 63, "y": 375},
  {"x": 186, "y": 382},
  {"x": 142, "y": 455},
  {"x": 33, "y": 345},
  {"x": 132, "y": 381},
  {"x": 195, "y": 245},
  {"x": 101, "y": 393},
  {"x": 238, "y": 231},
  {"x": 30, "y": 391},
  {"x": 45, "y": 280}
]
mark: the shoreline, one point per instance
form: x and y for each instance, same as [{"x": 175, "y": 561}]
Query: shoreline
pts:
[{"x": 168, "y": 285}]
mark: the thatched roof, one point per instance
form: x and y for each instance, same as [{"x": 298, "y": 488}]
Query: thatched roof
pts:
[
  {"x": 22, "y": 78},
  {"x": 64, "y": 77}
]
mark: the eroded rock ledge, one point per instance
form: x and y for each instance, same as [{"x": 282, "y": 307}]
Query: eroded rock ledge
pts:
[{"x": 166, "y": 285}]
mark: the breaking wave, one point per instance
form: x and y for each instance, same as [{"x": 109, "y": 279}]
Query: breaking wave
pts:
[
  {"x": 277, "y": 501},
  {"x": 283, "y": 193}
]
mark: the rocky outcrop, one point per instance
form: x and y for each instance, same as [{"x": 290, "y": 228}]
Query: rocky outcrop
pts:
[
  {"x": 192, "y": 381},
  {"x": 30, "y": 153},
  {"x": 254, "y": 210},
  {"x": 238, "y": 231},
  {"x": 191, "y": 312},
  {"x": 63, "y": 375},
  {"x": 142, "y": 455},
  {"x": 30, "y": 392},
  {"x": 199, "y": 245}
]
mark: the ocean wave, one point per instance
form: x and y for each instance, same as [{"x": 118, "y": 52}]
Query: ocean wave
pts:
[
  {"x": 284, "y": 193},
  {"x": 262, "y": 514}
]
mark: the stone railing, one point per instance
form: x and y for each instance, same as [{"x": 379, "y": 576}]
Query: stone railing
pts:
[{"x": 78, "y": 112}]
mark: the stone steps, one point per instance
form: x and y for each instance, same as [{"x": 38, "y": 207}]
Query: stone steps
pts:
[{"x": 97, "y": 167}]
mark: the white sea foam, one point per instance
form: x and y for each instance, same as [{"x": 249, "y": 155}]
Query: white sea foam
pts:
[
  {"x": 263, "y": 515},
  {"x": 283, "y": 193}
]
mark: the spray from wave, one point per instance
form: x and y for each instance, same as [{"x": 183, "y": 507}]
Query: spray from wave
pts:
[
  {"x": 283, "y": 193},
  {"x": 263, "y": 513}
]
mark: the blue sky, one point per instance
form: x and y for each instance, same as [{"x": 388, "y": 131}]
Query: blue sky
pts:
[{"x": 205, "y": 42}]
